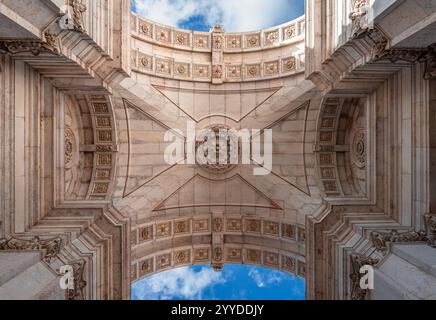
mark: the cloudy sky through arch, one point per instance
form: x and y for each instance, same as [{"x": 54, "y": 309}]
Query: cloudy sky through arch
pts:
[
  {"x": 234, "y": 282},
  {"x": 235, "y": 15}
]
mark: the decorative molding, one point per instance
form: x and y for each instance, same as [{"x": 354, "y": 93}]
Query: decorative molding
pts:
[
  {"x": 430, "y": 227},
  {"x": 358, "y": 17},
  {"x": 381, "y": 240},
  {"x": 51, "y": 247},
  {"x": 49, "y": 44},
  {"x": 283, "y": 35},
  {"x": 78, "y": 10},
  {"x": 359, "y": 148},
  {"x": 430, "y": 63},
  {"x": 357, "y": 262},
  {"x": 167, "y": 67},
  {"x": 79, "y": 282},
  {"x": 69, "y": 147}
]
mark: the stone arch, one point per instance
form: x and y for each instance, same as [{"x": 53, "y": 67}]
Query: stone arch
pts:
[{"x": 215, "y": 240}]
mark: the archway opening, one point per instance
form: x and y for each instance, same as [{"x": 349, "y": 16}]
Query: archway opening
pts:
[
  {"x": 233, "y": 282},
  {"x": 236, "y": 16}
]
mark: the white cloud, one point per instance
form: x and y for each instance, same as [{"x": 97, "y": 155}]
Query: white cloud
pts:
[
  {"x": 181, "y": 283},
  {"x": 265, "y": 279},
  {"x": 235, "y": 15}
]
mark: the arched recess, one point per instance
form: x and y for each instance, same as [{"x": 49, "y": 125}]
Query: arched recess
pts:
[
  {"x": 345, "y": 143},
  {"x": 217, "y": 239},
  {"x": 87, "y": 135}
]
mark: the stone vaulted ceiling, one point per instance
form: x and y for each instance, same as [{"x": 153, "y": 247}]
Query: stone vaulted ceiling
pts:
[{"x": 88, "y": 92}]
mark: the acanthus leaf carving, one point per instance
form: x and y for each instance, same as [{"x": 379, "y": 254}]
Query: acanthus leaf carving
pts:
[
  {"x": 357, "y": 262},
  {"x": 430, "y": 63},
  {"x": 358, "y": 17},
  {"x": 49, "y": 44},
  {"x": 381, "y": 240},
  {"x": 430, "y": 227},
  {"x": 79, "y": 282},
  {"x": 77, "y": 15},
  {"x": 51, "y": 247}
]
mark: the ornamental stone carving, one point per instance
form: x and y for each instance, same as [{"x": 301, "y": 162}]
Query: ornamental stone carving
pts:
[
  {"x": 430, "y": 63},
  {"x": 50, "y": 247},
  {"x": 217, "y": 71},
  {"x": 288, "y": 264},
  {"x": 253, "y": 70},
  {"x": 217, "y": 225},
  {"x": 430, "y": 228},
  {"x": 271, "y": 37},
  {"x": 200, "y": 41},
  {"x": 289, "y": 32},
  {"x": 217, "y": 41},
  {"x": 381, "y": 240},
  {"x": 223, "y": 134},
  {"x": 182, "y": 257},
  {"x": 78, "y": 10},
  {"x": 253, "y": 41},
  {"x": 289, "y": 64},
  {"x": 358, "y": 148},
  {"x": 50, "y": 44},
  {"x": 79, "y": 282},
  {"x": 69, "y": 147},
  {"x": 358, "y": 17},
  {"x": 357, "y": 262}
]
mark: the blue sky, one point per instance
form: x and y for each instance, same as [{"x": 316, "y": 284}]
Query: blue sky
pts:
[
  {"x": 235, "y": 15},
  {"x": 234, "y": 282}
]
